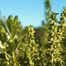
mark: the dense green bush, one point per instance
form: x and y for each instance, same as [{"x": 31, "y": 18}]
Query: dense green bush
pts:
[{"x": 44, "y": 46}]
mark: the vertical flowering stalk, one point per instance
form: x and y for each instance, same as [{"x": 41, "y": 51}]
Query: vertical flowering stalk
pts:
[
  {"x": 31, "y": 51},
  {"x": 53, "y": 52}
]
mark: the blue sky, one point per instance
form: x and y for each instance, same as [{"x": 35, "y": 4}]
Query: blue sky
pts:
[{"x": 29, "y": 11}]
